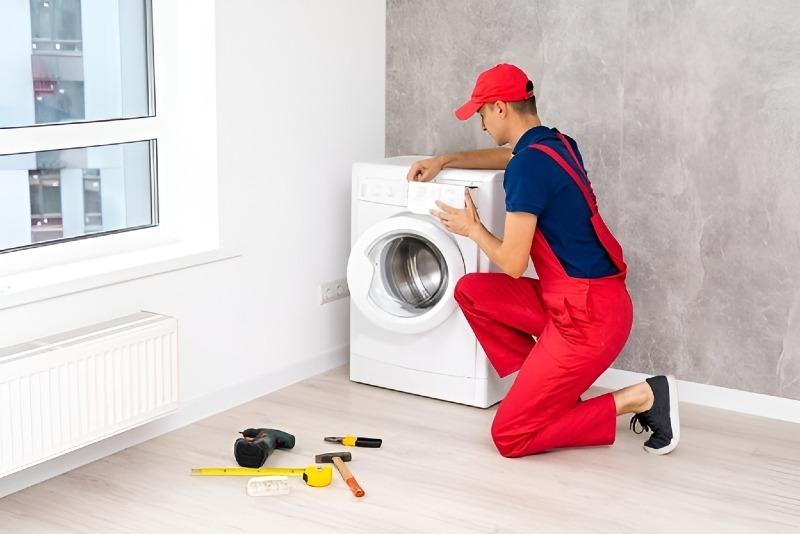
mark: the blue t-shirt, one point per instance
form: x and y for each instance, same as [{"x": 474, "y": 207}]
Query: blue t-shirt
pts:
[{"x": 535, "y": 183}]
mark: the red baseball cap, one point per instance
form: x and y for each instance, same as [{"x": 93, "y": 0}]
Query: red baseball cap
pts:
[{"x": 502, "y": 82}]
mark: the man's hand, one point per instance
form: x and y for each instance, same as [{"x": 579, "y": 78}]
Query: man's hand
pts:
[
  {"x": 424, "y": 170},
  {"x": 460, "y": 222}
]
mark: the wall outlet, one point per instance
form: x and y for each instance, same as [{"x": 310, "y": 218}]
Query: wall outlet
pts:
[{"x": 333, "y": 291}]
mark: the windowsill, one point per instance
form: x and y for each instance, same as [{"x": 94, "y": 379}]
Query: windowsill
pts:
[{"x": 20, "y": 289}]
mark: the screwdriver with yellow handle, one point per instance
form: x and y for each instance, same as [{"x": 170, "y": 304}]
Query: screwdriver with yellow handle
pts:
[{"x": 355, "y": 441}]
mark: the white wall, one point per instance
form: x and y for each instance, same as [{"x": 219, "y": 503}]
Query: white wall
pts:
[{"x": 300, "y": 97}]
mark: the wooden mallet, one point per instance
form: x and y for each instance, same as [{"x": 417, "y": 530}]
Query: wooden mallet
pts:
[{"x": 338, "y": 459}]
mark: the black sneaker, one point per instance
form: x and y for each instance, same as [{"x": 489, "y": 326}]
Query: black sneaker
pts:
[{"x": 662, "y": 418}]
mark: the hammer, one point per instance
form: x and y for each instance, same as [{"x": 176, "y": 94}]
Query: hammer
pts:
[{"x": 338, "y": 459}]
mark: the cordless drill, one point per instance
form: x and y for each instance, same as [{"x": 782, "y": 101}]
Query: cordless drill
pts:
[{"x": 256, "y": 444}]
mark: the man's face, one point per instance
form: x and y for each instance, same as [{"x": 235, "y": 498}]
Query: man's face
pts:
[{"x": 491, "y": 123}]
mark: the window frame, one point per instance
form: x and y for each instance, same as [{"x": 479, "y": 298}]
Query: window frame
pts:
[{"x": 183, "y": 52}]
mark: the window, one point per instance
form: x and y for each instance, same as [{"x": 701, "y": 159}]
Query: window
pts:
[
  {"x": 81, "y": 203},
  {"x": 75, "y": 60},
  {"x": 67, "y": 63},
  {"x": 77, "y": 192}
]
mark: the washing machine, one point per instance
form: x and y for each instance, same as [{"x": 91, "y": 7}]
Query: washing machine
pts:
[{"x": 406, "y": 331}]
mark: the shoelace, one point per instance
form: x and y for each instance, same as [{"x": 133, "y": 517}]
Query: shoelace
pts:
[{"x": 641, "y": 419}]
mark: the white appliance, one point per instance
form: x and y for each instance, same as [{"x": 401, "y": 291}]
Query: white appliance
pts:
[{"x": 406, "y": 330}]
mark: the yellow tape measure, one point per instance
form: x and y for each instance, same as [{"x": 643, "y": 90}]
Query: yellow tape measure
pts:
[{"x": 314, "y": 475}]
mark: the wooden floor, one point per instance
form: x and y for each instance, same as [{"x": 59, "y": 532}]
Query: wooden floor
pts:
[{"x": 436, "y": 472}]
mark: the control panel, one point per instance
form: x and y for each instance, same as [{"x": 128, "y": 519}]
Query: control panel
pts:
[{"x": 393, "y": 192}]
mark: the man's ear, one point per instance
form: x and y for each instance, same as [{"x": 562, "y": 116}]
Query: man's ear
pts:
[{"x": 502, "y": 108}]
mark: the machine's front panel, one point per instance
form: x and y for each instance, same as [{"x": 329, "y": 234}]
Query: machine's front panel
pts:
[{"x": 406, "y": 331}]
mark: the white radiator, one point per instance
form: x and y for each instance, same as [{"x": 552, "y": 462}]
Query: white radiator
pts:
[{"x": 69, "y": 390}]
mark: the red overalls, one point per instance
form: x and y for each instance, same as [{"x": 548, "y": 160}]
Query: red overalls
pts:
[{"x": 581, "y": 326}]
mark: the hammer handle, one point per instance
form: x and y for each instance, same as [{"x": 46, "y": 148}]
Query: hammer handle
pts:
[{"x": 348, "y": 477}]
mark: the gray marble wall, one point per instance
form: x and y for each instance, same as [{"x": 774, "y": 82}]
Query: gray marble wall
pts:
[{"x": 688, "y": 116}]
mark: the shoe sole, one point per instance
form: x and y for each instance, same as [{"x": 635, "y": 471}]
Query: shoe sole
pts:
[{"x": 674, "y": 419}]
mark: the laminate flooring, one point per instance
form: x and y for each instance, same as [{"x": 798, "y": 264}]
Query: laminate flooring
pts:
[{"x": 437, "y": 471}]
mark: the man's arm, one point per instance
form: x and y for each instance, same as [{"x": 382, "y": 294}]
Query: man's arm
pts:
[
  {"x": 511, "y": 253},
  {"x": 485, "y": 158}
]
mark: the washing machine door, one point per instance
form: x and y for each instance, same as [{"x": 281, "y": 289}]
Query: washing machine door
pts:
[{"x": 402, "y": 272}]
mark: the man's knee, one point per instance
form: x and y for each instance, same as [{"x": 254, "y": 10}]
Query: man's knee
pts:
[
  {"x": 505, "y": 441},
  {"x": 464, "y": 291},
  {"x": 511, "y": 440},
  {"x": 506, "y": 436}
]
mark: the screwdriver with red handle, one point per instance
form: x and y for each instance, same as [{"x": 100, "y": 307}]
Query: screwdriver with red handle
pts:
[{"x": 355, "y": 441}]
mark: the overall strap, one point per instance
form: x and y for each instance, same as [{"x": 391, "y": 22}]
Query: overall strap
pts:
[
  {"x": 587, "y": 193},
  {"x": 574, "y": 157},
  {"x": 568, "y": 145}
]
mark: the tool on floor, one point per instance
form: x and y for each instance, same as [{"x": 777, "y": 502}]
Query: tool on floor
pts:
[
  {"x": 268, "y": 486},
  {"x": 338, "y": 459},
  {"x": 256, "y": 444},
  {"x": 355, "y": 441},
  {"x": 316, "y": 476}
]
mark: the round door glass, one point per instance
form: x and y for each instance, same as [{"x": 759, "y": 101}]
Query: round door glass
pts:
[{"x": 411, "y": 275}]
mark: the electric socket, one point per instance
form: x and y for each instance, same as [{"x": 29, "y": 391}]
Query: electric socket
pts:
[{"x": 333, "y": 291}]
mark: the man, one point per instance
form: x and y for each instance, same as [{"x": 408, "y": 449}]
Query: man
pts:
[{"x": 564, "y": 329}]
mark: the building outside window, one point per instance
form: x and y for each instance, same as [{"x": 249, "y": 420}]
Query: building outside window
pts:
[
  {"x": 57, "y": 60},
  {"x": 76, "y": 71}
]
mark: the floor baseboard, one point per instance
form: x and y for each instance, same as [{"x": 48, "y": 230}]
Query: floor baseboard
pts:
[{"x": 714, "y": 396}]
